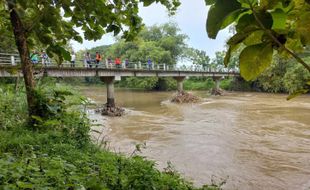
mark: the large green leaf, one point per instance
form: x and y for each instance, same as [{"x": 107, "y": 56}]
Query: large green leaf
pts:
[
  {"x": 240, "y": 36},
  {"x": 248, "y": 21},
  {"x": 279, "y": 19},
  {"x": 222, "y": 12},
  {"x": 254, "y": 38},
  {"x": 254, "y": 60}
]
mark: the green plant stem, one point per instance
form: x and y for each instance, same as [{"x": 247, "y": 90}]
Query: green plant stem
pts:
[{"x": 276, "y": 40}]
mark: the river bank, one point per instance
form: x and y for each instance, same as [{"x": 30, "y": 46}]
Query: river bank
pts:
[
  {"x": 251, "y": 140},
  {"x": 57, "y": 152}
]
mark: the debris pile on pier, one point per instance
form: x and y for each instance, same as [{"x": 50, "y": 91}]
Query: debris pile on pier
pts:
[
  {"x": 111, "y": 111},
  {"x": 217, "y": 92},
  {"x": 184, "y": 97}
]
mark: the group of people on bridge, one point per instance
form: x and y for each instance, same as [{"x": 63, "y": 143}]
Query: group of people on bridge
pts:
[
  {"x": 89, "y": 61},
  {"x": 37, "y": 57}
]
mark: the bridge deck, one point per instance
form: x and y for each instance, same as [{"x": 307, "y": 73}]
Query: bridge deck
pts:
[{"x": 14, "y": 71}]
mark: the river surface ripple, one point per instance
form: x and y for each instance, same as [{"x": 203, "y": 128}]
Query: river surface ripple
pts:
[{"x": 251, "y": 140}]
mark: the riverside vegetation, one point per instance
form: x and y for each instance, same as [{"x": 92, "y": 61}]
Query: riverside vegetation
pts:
[{"x": 57, "y": 152}]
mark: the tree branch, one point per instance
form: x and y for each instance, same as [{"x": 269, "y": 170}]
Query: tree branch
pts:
[{"x": 276, "y": 40}]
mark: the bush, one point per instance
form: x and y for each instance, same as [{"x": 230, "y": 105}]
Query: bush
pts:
[
  {"x": 226, "y": 84},
  {"x": 166, "y": 83},
  {"x": 196, "y": 83}
]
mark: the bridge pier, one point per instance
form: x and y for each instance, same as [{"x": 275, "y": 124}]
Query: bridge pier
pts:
[
  {"x": 109, "y": 81},
  {"x": 179, "y": 83},
  {"x": 216, "y": 89}
]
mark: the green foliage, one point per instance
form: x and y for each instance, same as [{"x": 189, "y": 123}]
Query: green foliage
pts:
[
  {"x": 226, "y": 84},
  {"x": 237, "y": 84},
  {"x": 262, "y": 27},
  {"x": 295, "y": 79},
  {"x": 283, "y": 76},
  {"x": 197, "y": 57},
  {"x": 197, "y": 83},
  {"x": 11, "y": 115},
  {"x": 166, "y": 83},
  {"x": 147, "y": 83}
]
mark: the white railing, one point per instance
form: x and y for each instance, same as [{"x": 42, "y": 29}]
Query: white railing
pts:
[{"x": 13, "y": 59}]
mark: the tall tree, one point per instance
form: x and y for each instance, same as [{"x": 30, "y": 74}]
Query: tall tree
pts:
[{"x": 54, "y": 23}]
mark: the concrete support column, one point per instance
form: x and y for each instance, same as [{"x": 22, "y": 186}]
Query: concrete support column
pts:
[
  {"x": 216, "y": 90},
  {"x": 217, "y": 83},
  {"x": 109, "y": 81},
  {"x": 179, "y": 83}
]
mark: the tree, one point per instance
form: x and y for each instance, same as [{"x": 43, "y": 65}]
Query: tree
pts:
[
  {"x": 161, "y": 43},
  {"x": 262, "y": 27},
  {"x": 42, "y": 21},
  {"x": 198, "y": 57}
]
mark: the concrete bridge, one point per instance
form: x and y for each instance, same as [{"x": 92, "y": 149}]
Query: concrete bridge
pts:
[{"x": 108, "y": 73}]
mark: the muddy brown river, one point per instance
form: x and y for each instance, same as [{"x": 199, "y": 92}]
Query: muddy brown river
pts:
[{"x": 250, "y": 140}]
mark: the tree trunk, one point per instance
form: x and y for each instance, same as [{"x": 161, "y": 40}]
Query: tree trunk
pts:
[{"x": 22, "y": 46}]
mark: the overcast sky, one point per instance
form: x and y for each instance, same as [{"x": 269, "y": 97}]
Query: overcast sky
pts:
[{"x": 191, "y": 18}]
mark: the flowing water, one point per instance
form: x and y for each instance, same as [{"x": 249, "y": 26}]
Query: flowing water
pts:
[{"x": 249, "y": 140}]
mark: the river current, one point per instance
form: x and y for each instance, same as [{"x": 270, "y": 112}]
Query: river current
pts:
[{"x": 249, "y": 140}]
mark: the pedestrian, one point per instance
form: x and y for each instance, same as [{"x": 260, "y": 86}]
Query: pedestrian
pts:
[
  {"x": 44, "y": 58},
  {"x": 87, "y": 58},
  {"x": 149, "y": 63},
  {"x": 73, "y": 59},
  {"x": 126, "y": 63},
  {"x": 34, "y": 57},
  {"x": 109, "y": 62},
  {"x": 98, "y": 59},
  {"x": 117, "y": 62}
]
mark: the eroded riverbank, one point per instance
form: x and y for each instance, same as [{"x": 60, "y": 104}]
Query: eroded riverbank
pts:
[{"x": 260, "y": 141}]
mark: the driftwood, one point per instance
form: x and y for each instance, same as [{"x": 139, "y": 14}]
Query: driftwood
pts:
[
  {"x": 217, "y": 92},
  {"x": 111, "y": 111},
  {"x": 184, "y": 97}
]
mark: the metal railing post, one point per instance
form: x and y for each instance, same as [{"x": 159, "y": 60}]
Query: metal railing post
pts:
[{"x": 13, "y": 60}]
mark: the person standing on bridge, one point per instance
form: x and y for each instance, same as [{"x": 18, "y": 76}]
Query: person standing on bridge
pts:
[
  {"x": 44, "y": 58},
  {"x": 88, "y": 59},
  {"x": 149, "y": 63},
  {"x": 118, "y": 62},
  {"x": 109, "y": 62},
  {"x": 126, "y": 63},
  {"x": 72, "y": 59},
  {"x": 98, "y": 59},
  {"x": 34, "y": 57}
]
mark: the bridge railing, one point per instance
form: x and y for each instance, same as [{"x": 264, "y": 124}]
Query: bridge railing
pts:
[{"x": 13, "y": 59}]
